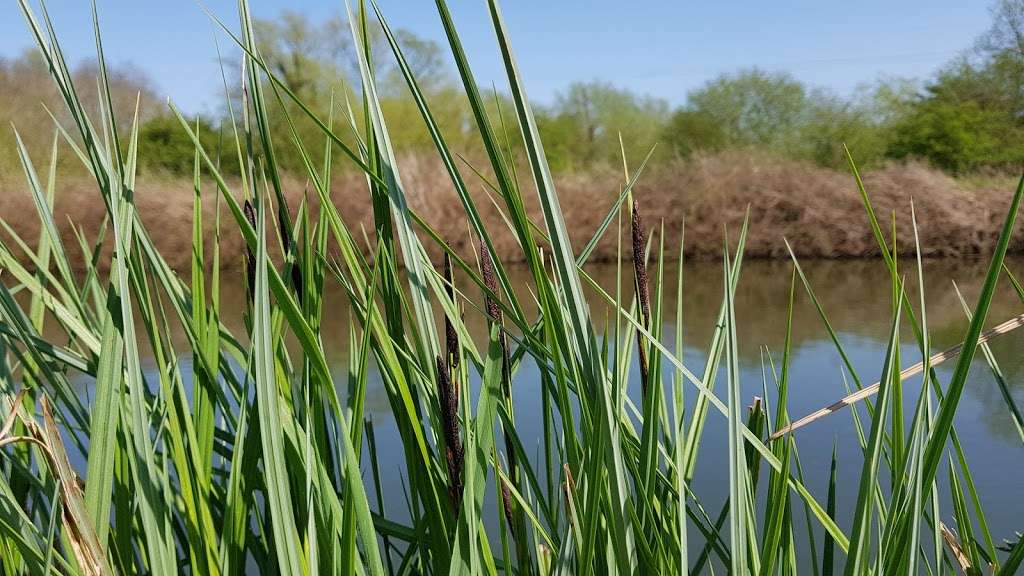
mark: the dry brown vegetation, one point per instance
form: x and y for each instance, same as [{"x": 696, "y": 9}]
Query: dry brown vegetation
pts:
[{"x": 816, "y": 209}]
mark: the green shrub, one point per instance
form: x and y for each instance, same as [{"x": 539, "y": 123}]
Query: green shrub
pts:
[
  {"x": 165, "y": 147},
  {"x": 958, "y": 137}
]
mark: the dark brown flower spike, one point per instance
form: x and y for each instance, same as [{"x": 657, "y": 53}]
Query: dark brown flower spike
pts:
[
  {"x": 643, "y": 293},
  {"x": 291, "y": 249},
  {"x": 250, "y": 257},
  {"x": 494, "y": 313},
  {"x": 506, "y": 505},
  {"x": 487, "y": 272},
  {"x": 449, "y": 401},
  {"x": 450, "y": 335}
]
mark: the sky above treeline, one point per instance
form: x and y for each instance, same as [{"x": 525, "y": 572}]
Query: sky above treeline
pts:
[{"x": 662, "y": 48}]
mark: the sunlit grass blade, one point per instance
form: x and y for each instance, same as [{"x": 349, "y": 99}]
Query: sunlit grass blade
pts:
[{"x": 860, "y": 538}]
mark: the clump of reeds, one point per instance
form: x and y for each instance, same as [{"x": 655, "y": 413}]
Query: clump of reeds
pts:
[{"x": 268, "y": 474}]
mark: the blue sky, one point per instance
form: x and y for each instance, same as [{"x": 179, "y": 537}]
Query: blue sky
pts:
[{"x": 659, "y": 47}]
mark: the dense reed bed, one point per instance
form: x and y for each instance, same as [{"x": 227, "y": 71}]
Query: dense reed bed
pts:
[{"x": 244, "y": 452}]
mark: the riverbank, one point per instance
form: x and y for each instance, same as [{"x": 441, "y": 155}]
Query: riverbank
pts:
[{"x": 818, "y": 210}]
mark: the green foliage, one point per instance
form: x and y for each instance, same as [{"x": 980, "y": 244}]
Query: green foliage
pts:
[
  {"x": 754, "y": 108},
  {"x": 583, "y": 126},
  {"x": 234, "y": 451},
  {"x": 165, "y": 147},
  {"x": 774, "y": 112},
  {"x": 969, "y": 117},
  {"x": 862, "y": 123},
  {"x": 958, "y": 136},
  {"x": 689, "y": 131}
]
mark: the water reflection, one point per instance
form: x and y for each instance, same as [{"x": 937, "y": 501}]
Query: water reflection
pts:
[{"x": 856, "y": 296}]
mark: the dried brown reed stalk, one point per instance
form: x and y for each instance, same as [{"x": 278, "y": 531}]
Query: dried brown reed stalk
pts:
[
  {"x": 867, "y": 391},
  {"x": 955, "y": 548},
  {"x": 81, "y": 535},
  {"x": 569, "y": 487}
]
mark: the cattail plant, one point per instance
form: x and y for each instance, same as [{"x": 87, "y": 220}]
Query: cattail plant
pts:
[
  {"x": 451, "y": 337},
  {"x": 290, "y": 249},
  {"x": 449, "y": 401},
  {"x": 495, "y": 316},
  {"x": 506, "y": 504},
  {"x": 295, "y": 499},
  {"x": 448, "y": 395},
  {"x": 250, "y": 257},
  {"x": 643, "y": 293}
]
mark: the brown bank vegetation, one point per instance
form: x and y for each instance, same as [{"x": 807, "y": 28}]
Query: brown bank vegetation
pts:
[{"x": 817, "y": 210}]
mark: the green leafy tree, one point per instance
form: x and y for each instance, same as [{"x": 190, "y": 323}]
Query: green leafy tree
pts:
[
  {"x": 584, "y": 124},
  {"x": 690, "y": 131},
  {"x": 863, "y": 123},
  {"x": 318, "y": 61},
  {"x": 958, "y": 136},
  {"x": 972, "y": 114},
  {"x": 753, "y": 108}
]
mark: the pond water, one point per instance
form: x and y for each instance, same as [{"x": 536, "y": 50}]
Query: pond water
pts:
[{"x": 856, "y": 297}]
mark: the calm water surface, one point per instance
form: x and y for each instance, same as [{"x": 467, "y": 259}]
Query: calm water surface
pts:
[{"x": 856, "y": 297}]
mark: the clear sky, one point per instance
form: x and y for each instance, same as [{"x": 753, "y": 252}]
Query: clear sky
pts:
[{"x": 658, "y": 47}]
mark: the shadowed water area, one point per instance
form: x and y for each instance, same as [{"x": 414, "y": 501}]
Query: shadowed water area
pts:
[{"x": 855, "y": 295}]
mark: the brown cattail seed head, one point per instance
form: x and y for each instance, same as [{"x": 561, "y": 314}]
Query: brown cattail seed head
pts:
[
  {"x": 297, "y": 281},
  {"x": 449, "y": 401},
  {"x": 506, "y": 502},
  {"x": 639, "y": 265},
  {"x": 450, "y": 335},
  {"x": 487, "y": 271},
  {"x": 250, "y": 257},
  {"x": 494, "y": 312},
  {"x": 643, "y": 293}
]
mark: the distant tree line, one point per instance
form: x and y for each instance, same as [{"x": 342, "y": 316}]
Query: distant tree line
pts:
[{"x": 969, "y": 117}]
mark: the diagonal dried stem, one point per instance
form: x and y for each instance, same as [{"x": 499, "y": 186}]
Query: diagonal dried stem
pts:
[
  {"x": 867, "y": 391},
  {"x": 955, "y": 548}
]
